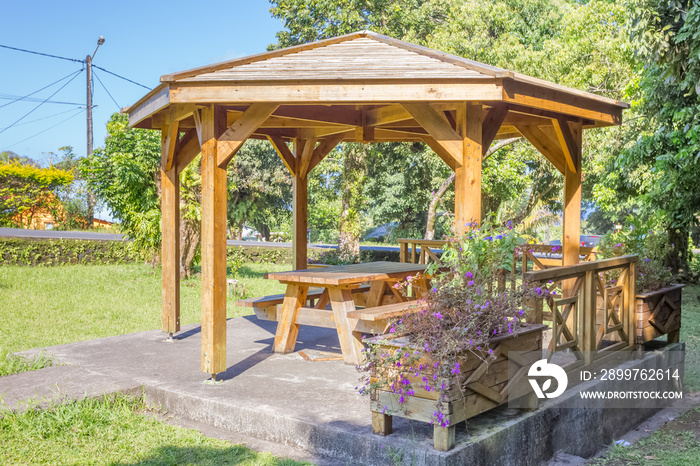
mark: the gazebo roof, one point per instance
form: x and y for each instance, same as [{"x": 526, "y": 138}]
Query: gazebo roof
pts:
[{"x": 367, "y": 68}]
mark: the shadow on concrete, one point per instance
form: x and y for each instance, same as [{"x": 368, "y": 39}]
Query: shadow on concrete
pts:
[
  {"x": 189, "y": 333},
  {"x": 249, "y": 362},
  {"x": 170, "y": 454}
]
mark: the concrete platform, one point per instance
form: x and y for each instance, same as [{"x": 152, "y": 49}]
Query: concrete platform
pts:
[{"x": 309, "y": 409}]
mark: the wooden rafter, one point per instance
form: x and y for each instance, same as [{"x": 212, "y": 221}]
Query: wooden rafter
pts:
[
  {"x": 236, "y": 134},
  {"x": 307, "y": 150},
  {"x": 544, "y": 145},
  {"x": 188, "y": 148},
  {"x": 566, "y": 141},
  {"x": 492, "y": 123},
  {"x": 285, "y": 153},
  {"x": 436, "y": 124}
]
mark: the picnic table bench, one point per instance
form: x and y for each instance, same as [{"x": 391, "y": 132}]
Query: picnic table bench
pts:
[{"x": 337, "y": 292}]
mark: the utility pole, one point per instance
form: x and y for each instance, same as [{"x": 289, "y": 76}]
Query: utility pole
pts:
[{"x": 88, "y": 64}]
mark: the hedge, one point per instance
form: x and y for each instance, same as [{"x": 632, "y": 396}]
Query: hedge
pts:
[{"x": 40, "y": 251}]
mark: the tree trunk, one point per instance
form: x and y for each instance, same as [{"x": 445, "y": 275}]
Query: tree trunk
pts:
[
  {"x": 432, "y": 208},
  {"x": 189, "y": 241},
  {"x": 677, "y": 257},
  {"x": 355, "y": 176}
]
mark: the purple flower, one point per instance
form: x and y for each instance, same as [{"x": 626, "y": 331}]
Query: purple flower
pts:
[
  {"x": 468, "y": 275},
  {"x": 499, "y": 237},
  {"x": 438, "y": 315},
  {"x": 471, "y": 283},
  {"x": 488, "y": 238}
]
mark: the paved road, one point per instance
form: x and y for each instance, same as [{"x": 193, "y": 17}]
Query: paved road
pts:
[{"x": 20, "y": 233}]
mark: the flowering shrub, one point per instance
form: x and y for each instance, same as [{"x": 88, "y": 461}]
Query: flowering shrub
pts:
[
  {"x": 464, "y": 307},
  {"x": 652, "y": 248}
]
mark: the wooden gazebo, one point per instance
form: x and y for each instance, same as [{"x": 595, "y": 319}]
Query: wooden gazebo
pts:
[{"x": 361, "y": 87}]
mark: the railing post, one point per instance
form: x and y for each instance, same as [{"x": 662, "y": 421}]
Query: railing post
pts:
[
  {"x": 413, "y": 252},
  {"x": 403, "y": 255},
  {"x": 588, "y": 342},
  {"x": 630, "y": 304}
]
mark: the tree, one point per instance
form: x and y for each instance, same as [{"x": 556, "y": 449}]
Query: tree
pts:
[
  {"x": 26, "y": 190},
  {"x": 260, "y": 189},
  {"x": 666, "y": 38}
]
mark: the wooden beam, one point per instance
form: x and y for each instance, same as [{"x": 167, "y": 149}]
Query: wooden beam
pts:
[
  {"x": 188, "y": 147},
  {"x": 468, "y": 176},
  {"x": 492, "y": 123},
  {"x": 446, "y": 157},
  {"x": 234, "y": 137},
  {"x": 285, "y": 154},
  {"x": 345, "y": 93},
  {"x": 544, "y": 145},
  {"x": 307, "y": 151},
  {"x": 300, "y": 212},
  {"x": 572, "y": 209},
  {"x": 324, "y": 147},
  {"x": 170, "y": 242},
  {"x": 566, "y": 141},
  {"x": 436, "y": 124},
  {"x": 171, "y": 131},
  {"x": 213, "y": 246},
  {"x": 387, "y": 114}
]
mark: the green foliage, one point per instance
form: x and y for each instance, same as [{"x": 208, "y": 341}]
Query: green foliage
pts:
[
  {"x": 257, "y": 254},
  {"x": 664, "y": 163},
  {"x": 332, "y": 257},
  {"x": 26, "y": 190},
  {"x": 649, "y": 243},
  {"x": 260, "y": 189},
  {"x": 10, "y": 364},
  {"x": 23, "y": 251},
  {"x": 125, "y": 175}
]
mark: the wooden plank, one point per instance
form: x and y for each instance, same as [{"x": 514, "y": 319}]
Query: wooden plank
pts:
[
  {"x": 350, "y": 341},
  {"x": 444, "y": 437},
  {"x": 445, "y": 155},
  {"x": 376, "y": 293},
  {"x": 324, "y": 147},
  {"x": 299, "y": 213},
  {"x": 386, "y": 311},
  {"x": 348, "y": 275},
  {"x": 381, "y": 424},
  {"x": 492, "y": 123},
  {"x": 285, "y": 154},
  {"x": 387, "y": 114},
  {"x": 149, "y": 104},
  {"x": 334, "y": 92},
  {"x": 544, "y": 145},
  {"x": 574, "y": 271},
  {"x": 213, "y": 246},
  {"x": 287, "y": 328},
  {"x": 468, "y": 175},
  {"x": 436, "y": 124},
  {"x": 234, "y": 137},
  {"x": 170, "y": 245}
]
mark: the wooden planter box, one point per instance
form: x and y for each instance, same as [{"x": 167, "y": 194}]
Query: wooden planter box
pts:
[
  {"x": 486, "y": 386},
  {"x": 659, "y": 313}
]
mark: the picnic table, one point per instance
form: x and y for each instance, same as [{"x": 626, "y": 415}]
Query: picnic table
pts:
[{"x": 337, "y": 284}]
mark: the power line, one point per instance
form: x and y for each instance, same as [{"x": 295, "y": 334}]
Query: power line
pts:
[
  {"x": 46, "y": 117},
  {"x": 121, "y": 77},
  {"x": 42, "y": 54},
  {"x": 26, "y": 97},
  {"x": 35, "y": 99},
  {"x": 108, "y": 93},
  {"x": 80, "y": 110},
  {"x": 42, "y": 103}
]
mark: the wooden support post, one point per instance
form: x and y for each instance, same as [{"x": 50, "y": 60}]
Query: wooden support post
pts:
[
  {"x": 170, "y": 238},
  {"x": 213, "y": 124},
  {"x": 403, "y": 254},
  {"x": 300, "y": 208},
  {"x": 468, "y": 176},
  {"x": 444, "y": 438},
  {"x": 381, "y": 424},
  {"x": 572, "y": 210}
]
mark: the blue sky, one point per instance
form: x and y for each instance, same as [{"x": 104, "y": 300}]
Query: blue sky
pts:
[{"x": 143, "y": 40}]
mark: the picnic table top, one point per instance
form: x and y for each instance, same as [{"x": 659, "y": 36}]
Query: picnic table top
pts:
[{"x": 348, "y": 274}]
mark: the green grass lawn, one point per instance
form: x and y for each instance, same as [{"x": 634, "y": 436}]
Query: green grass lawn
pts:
[
  {"x": 113, "y": 431},
  {"x": 44, "y": 306}
]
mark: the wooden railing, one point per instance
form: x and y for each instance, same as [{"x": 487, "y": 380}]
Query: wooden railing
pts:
[
  {"x": 545, "y": 256},
  {"x": 592, "y": 317},
  {"x": 410, "y": 246}
]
